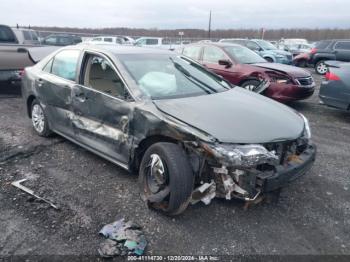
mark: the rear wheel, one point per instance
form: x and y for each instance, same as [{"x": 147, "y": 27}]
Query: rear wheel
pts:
[
  {"x": 165, "y": 178},
  {"x": 39, "y": 119},
  {"x": 269, "y": 59},
  {"x": 321, "y": 67},
  {"x": 251, "y": 85}
]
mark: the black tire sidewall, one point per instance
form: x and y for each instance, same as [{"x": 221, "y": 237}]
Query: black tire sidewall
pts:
[
  {"x": 181, "y": 179},
  {"x": 250, "y": 82}
]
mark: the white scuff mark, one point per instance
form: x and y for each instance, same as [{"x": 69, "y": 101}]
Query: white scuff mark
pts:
[{"x": 99, "y": 128}]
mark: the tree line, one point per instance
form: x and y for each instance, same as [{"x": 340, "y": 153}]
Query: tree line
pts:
[{"x": 270, "y": 34}]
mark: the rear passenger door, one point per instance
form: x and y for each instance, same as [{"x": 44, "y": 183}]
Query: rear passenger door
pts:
[
  {"x": 54, "y": 85},
  {"x": 102, "y": 109},
  {"x": 342, "y": 51}
]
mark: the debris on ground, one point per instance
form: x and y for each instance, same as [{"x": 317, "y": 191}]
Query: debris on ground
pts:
[
  {"x": 31, "y": 192},
  {"x": 123, "y": 238}
]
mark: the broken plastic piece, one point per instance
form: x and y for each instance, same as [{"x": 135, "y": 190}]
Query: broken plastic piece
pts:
[
  {"x": 31, "y": 192},
  {"x": 125, "y": 236},
  {"x": 204, "y": 193}
]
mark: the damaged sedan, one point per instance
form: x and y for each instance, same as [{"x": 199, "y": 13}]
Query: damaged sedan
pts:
[{"x": 189, "y": 134}]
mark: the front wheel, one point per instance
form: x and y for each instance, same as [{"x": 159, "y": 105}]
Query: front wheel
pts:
[
  {"x": 251, "y": 85},
  {"x": 165, "y": 178},
  {"x": 39, "y": 119},
  {"x": 321, "y": 67}
]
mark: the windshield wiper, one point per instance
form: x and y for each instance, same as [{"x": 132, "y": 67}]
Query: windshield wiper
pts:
[{"x": 190, "y": 77}]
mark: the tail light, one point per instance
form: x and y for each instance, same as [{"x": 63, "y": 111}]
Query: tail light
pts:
[
  {"x": 21, "y": 73},
  {"x": 313, "y": 50},
  {"x": 332, "y": 77}
]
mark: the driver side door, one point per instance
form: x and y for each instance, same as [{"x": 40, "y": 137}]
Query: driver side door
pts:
[{"x": 102, "y": 109}]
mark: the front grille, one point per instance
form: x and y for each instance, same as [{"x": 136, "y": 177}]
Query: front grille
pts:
[{"x": 305, "y": 81}]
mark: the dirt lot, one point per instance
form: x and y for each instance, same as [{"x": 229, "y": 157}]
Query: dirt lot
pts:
[{"x": 312, "y": 216}]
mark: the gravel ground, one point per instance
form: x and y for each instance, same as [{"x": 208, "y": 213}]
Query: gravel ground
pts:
[{"x": 311, "y": 218}]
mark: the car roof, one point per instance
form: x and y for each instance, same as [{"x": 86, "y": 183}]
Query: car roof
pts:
[
  {"x": 218, "y": 44},
  {"x": 121, "y": 49}
]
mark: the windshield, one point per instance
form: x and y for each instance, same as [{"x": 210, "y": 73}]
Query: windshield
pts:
[
  {"x": 244, "y": 55},
  {"x": 163, "y": 76},
  {"x": 266, "y": 45}
]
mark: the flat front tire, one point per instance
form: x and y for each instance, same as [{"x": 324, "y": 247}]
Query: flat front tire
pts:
[
  {"x": 165, "y": 178},
  {"x": 39, "y": 119}
]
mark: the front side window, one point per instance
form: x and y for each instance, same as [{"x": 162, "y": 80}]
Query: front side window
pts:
[
  {"x": 252, "y": 46},
  {"x": 161, "y": 76},
  {"x": 100, "y": 76},
  {"x": 343, "y": 45},
  {"x": 65, "y": 64},
  {"x": 266, "y": 45},
  {"x": 213, "y": 54},
  {"x": 244, "y": 55},
  {"x": 64, "y": 40},
  {"x": 192, "y": 52}
]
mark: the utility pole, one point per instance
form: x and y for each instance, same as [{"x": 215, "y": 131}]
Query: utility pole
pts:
[{"x": 209, "y": 29}]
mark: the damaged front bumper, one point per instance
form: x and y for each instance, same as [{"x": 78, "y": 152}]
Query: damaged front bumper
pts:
[{"x": 250, "y": 182}]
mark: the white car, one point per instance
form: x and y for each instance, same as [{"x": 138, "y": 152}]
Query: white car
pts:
[
  {"x": 119, "y": 40},
  {"x": 156, "y": 42}
]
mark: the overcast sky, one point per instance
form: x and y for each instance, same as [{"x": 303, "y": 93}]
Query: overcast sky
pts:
[{"x": 172, "y": 14}]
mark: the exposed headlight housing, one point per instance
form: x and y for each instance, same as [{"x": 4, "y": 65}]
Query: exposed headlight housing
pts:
[
  {"x": 307, "y": 130},
  {"x": 242, "y": 155}
]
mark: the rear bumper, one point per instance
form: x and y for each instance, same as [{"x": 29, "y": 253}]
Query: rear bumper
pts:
[
  {"x": 10, "y": 82},
  {"x": 294, "y": 170}
]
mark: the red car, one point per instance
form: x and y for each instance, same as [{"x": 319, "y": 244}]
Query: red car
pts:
[{"x": 243, "y": 67}]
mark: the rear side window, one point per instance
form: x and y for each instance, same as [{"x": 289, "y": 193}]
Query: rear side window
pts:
[
  {"x": 48, "y": 66},
  {"x": 108, "y": 39},
  {"x": 6, "y": 35},
  {"x": 65, "y": 64},
  {"x": 344, "y": 45},
  {"x": 192, "y": 52},
  {"x": 27, "y": 35}
]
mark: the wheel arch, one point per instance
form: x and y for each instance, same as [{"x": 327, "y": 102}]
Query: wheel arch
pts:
[
  {"x": 144, "y": 144},
  {"x": 30, "y": 100}
]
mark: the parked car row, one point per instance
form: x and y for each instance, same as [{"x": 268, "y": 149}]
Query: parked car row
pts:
[{"x": 189, "y": 133}]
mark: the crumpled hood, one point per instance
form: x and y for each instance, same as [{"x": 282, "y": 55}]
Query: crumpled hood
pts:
[
  {"x": 288, "y": 69},
  {"x": 236, "y": 116}
]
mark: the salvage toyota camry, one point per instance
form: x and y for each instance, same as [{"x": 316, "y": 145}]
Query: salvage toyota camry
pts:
[{"x": 189, "y": 134}]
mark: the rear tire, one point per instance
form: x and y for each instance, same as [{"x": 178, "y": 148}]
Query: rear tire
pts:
[
  {"x": 269, "y": 59},
  {"x": 39, "y": 119},
  {"x": 169, "y": 191},
  {"x": 321, "y": 68}
]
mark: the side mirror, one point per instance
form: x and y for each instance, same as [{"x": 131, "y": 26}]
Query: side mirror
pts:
[{"x": 225, "y": 62}]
